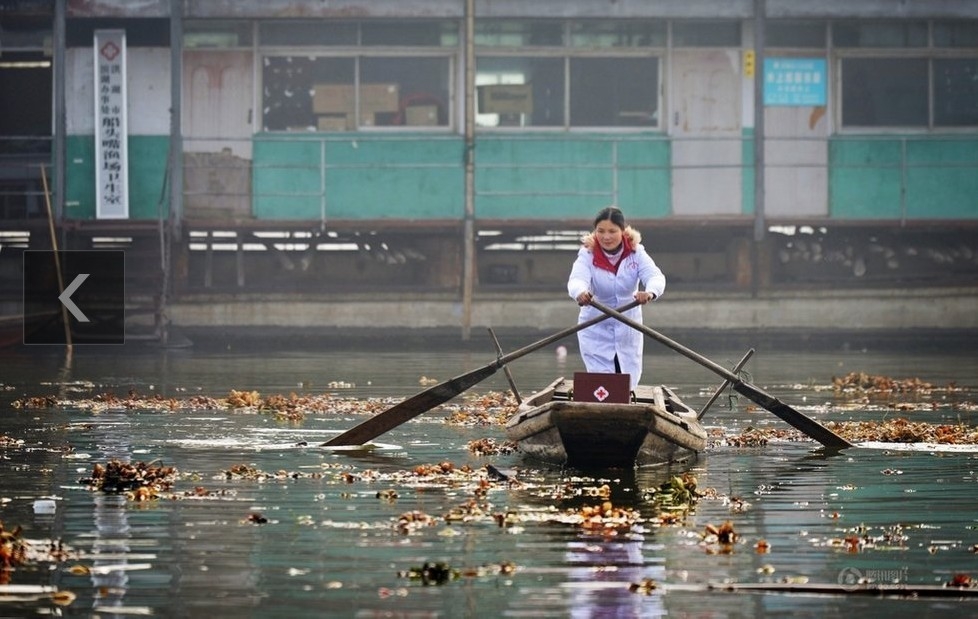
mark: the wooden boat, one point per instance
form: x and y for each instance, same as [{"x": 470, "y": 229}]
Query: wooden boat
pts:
[{"x": 656, "y": 427}]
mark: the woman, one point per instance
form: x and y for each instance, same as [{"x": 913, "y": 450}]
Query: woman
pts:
[{"x": 613, "y": 268}]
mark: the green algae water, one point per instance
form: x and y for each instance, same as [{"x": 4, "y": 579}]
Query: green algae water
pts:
[{"x": 312, "y": 532}]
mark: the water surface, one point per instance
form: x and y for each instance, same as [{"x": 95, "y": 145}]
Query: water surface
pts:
[{"x": 330, "y": 546}]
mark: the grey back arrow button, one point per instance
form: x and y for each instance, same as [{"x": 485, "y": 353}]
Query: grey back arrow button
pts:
[{"x": 65, "y": 297}]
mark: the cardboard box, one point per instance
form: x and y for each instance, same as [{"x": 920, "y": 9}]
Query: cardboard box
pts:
[
  {"x": 379, "y": 98},
  {"x": 506, "y": 99},
  {"x": 341, "y": 98},
  {"x": 333, "y": 99},
  {"x": 334, "y": 122},
  {"x": 421, "y": 115}
]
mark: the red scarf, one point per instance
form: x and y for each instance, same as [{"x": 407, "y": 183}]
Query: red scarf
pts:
[{"x": 600, "y": 259}]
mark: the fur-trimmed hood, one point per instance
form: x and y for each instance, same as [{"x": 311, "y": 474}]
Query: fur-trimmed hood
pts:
[{"x": 634, "y": 238}]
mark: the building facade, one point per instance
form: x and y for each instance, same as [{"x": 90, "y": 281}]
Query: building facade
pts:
[{"x": 461, "y": 146}]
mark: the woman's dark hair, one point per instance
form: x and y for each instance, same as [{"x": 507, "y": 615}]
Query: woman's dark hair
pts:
[{"x": 612, "y": 214}]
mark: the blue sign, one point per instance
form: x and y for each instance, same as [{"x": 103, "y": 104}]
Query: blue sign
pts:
[{"x": 794, "y": 81}]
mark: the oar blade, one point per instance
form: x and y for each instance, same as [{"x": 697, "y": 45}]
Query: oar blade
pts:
[
  {"x": 799, "y": 420},
  {"x": 411, "y": 408}
]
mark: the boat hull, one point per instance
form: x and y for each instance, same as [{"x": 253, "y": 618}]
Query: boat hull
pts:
[{"x": 596, "y": 435}]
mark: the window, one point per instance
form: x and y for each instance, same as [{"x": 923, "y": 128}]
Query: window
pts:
[
  {"x": 501, "y": 33},
  {"x": 884, "y": 92},
  {"x": 956, "y": 34},
  {"x": 706, "y": 33},
  {"x": 956, "y": 92},
  {"x": 25, "y": 33},
  {"x": 410, "y": 34},
  {"x": 417, "y": 89},
  {"x": 604, "y": 34},
  {"x": 520, "y": 92},
  {"x": 933, "y": 86},
  {"x": 795, "y": 34},
  {"x": 879, "y": 34},
  {"x": 295, "y": 89},
  {"x": 216, "y": 34},
  {"x": 303, "y": 93},
  {"x": 357, "y": 81},
  {"x": 312, "y": 32},
  {"x": 606, "y": 75},
  {"x": 614, "y": 92}
]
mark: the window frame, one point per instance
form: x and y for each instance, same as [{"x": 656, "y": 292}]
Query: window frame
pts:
[
  {"x": 930, "y": 53},
  {"x": 568, "y": 51},
  {"x": 358, "y": 52}
]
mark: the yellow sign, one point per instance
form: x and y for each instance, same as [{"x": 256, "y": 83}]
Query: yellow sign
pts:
[{"x": 748, "y": 63}]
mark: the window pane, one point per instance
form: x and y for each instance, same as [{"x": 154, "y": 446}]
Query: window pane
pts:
[
  {"x": 956, "y": 34},
  {"x": 217, "y": 34},
  {"x": 706, "y": 34},
  {"x": 307, "y": 33},
  {"x": 293, "y": 93},
  {"x": 404, "y": 90},
  {"x": 415, "y": 34},
  {"x": 614, "y": 92},
  {"x": 884, "y": 92},
  {"x": 810, "y": 35},
  {"x": 500, "y": 33},
  {"x": 28, "y": 34},
  {"x": 956, "y": 92},
  {"x": 309, "y": 94},
  {"x": 903, "y": 34},
  {"x": 503, "y": 103},
  {"x": 618, "y": 34}
]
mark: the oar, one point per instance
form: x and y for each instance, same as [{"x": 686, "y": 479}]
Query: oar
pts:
[
  {"x": 802, "y": 422},
  {"x": 443, "y": 392}
]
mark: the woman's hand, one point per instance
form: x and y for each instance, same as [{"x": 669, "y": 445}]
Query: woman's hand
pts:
[
  {"x": 584, "y": 298},
  {"x": 644, "y": 297}
]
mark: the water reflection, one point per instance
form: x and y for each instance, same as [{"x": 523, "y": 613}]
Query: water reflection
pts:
[{"x": 110, "y": 545}]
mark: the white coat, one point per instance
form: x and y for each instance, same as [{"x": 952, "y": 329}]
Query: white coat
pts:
[{"x": 601, "y": 342}]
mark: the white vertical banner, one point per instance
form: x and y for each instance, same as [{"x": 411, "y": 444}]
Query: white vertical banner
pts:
[{"x": 111, "y": 126}]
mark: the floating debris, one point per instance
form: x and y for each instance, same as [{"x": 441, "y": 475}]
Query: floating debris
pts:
[
  {"x": 243, "y": 399},
  {"x": 902, "y": 430},
  {"x": 17, "y": 551},
  {"x": 723, "y": 535},
  {"x": 863, "y": 382},
  {"x": 490, "y": 447},
  {"x": 431, "y": 573},
  {"x": 35, "y": 402},
  {"x": 898, "y": 430},
  {"x": 141, "y": 481},
  {"x": 676, "y": 496},
  {"x": 390, "y": 495},
  {"x": 63, "y": 598},
  {"x": 962, "y": 581},
  {"x": 13, "y": 551},
  {"x": 411, "y": 521},
  {"x": 250, "y": 473},
  {"x": 605, "y": 518},
  {"x": 7, "y": 441},
  {"x": 646, "y": 586},
  {"x": 439, "y": 572}
]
